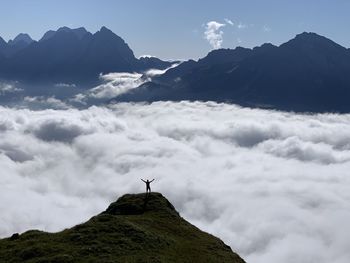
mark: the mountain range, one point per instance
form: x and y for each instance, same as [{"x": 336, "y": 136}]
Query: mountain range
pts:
[
  {"x": 136, "y": 228},
  {"x": 70, "y": 55},
  {"x": 307, "y": 73}
]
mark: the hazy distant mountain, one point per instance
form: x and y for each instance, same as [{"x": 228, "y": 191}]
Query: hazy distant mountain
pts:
[
  {"x": 13, "y": 46},
  {"x": 308, "y": 73},
  {"x": 3, "y": 46},
  {"x": 70, "y": 55},
  {"x": 21, "y": 38},
  {"x": 79, "y": 32}
]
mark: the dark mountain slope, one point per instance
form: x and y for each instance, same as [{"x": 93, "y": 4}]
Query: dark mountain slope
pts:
[
  {"x": 308, "y": 73},
  {"x": 133, "y": 229},
  {"x": 227, "y": 57},
  {"x": 13, "y": 46},
  {"x": 106, "y": 51},
  {"x": 45, "y": 59},
  {"x": 3, "y": 47},
  {"x": 153, "y": 62}
]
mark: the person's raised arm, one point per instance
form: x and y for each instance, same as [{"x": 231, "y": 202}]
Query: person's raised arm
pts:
[
  {"x": 143, "y": 180},
  {"x": 152, "y": 180}
]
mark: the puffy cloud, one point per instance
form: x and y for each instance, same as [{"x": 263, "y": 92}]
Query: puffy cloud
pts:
[
  {"x": 8, "y": 88},
  {"x": 213, "y": 34},
  {"x": 115, "y": 84},
  {"x": 155, "y": 72},
  {"x": 228, "y": 21},
  {"x": 266, "y": 28},
  {"x": 273, "y": 185},
  {"x": 65, "y": 85},
  {"x": 241, "y": 25}
]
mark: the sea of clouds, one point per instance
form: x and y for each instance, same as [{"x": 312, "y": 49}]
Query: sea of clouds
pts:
[{"x": 275, "y": 186}]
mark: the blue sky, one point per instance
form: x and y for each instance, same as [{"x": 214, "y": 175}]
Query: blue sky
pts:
[{"x": 175, "y": 29}]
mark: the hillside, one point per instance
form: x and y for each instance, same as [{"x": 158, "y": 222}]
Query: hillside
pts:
[{"x": 132, "y": 229}]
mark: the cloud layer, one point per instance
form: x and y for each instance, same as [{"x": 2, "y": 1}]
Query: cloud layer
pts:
[{"x": 273, "y": 185}]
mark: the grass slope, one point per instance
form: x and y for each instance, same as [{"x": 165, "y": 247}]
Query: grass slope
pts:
[{"x": 136, "y": 228}]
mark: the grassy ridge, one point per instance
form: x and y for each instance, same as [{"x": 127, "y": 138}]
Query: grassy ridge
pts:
[{"x": 135, "y": 229}]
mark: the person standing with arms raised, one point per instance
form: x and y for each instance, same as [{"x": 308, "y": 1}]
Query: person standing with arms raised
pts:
[{"x": 148, "y": 185}]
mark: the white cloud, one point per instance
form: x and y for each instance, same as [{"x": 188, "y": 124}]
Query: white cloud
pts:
[
  {"x": 228, "y": 21},
  {"x": 147, "y": 56},
  {"x": 115, "y": 84},
  {"x": 65, "y": 85},
  {"x": 6, "y": 88},
  {"x": 272, "y": 185},
  {"x": 241, "y": 25},
  {"x": 42, "y": 102},
  {"x": 79, "y": 99},
  {"x": 213, "y": 34},
  {"x": 266, "y": 28},
  {"x": 156, "y": 72}
]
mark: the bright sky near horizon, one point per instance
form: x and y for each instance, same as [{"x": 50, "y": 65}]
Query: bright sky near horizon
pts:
[{"x": 180, "y": 29}]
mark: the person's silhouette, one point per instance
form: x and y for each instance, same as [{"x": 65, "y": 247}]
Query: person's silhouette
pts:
[{"x": 148, "y": 185}]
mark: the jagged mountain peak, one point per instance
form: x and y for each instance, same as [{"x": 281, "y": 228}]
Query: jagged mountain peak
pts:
[
  {"x": 307, "y": 40},
  {"x": 64, "y": 28},
  {"x": 225, "y": 55},
  {"x": 104, "y": 32},
  {"x": 105, "y": 29},
  {"x": 265, "y": 47},
  {"x": 47, "y": 35},
  {"x": 72, "y": 55},
  {"x": 223, "y": 51},
  {"x": 22, "y": 37},
  {"x": 80, "y": 32},
  {"x": 309, "y": 35}
]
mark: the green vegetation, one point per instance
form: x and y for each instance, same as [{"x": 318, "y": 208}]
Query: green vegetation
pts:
[{"x": 135, "y": 229}]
